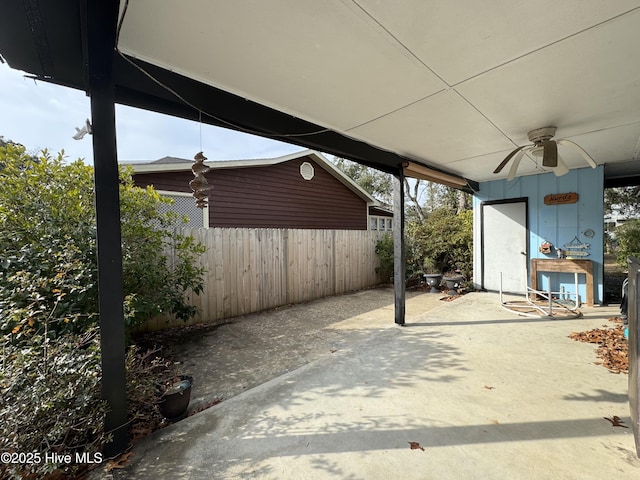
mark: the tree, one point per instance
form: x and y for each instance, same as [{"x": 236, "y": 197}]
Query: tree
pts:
[
  {"x": 421, "y": 197},
  {"x": 623, "y": 201},
  {"x": 413, "y": 192},
  {"x": 48, "y": 271},
  {"x": 376, "y": 183}
]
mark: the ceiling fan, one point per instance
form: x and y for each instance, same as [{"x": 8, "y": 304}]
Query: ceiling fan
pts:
[{"x": 546, "y": 148}]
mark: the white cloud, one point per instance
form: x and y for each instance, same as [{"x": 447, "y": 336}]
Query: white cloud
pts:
[{"x": 41, "y": 115}]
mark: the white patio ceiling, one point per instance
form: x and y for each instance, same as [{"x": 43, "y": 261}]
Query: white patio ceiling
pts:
[{"x": 456, "y": 84}]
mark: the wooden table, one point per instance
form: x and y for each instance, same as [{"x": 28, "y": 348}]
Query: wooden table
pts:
[{"x": 564, "y": 265}]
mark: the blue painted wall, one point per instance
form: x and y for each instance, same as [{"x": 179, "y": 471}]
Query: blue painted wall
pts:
[{"x": 558, "y": 224}]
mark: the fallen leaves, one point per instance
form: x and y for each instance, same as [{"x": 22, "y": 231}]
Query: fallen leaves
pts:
[
  {"x": 613, "y": 348},
  {"x": 450, "y": 298},
  {"x": 615, "y": 421},
  {"x": 415, "y": 446},
  {"x": 120, "y": 462}
]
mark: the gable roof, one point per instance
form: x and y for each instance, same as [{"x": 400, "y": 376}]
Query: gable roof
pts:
[{"x": 174, "y": 164}]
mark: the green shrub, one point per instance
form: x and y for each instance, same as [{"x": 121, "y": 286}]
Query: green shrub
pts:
[
  {"x": 50, "y": 398},
  {"x": 51, "y": 401},
  {"x": 442, "y": 243},
  {"x": 384, "y": 249},
  {"x": 445, "y": 239},
  {"x": 48, "y": 271},
  {"x": 628, "y": 241}
]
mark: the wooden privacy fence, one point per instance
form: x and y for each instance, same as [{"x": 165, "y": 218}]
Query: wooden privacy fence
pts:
[{"x": 248, "y": 270}]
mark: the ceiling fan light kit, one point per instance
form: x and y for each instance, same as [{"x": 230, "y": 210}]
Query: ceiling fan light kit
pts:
[{"x": 546, "y": 148}]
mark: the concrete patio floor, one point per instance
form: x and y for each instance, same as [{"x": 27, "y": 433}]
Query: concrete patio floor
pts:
[{"x": 487, "y": 394}]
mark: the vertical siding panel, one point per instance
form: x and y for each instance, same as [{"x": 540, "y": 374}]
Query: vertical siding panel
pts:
[
  {"x": 218, "y": 286},
  {"x": 281, "y": 280},
  {"x": 294, "y": 271},
  {"x": 211, "y": 275},
  {"x": 232, "y": 268},
  {"x": 304, "y": 266},
  {"x": 294, "y": 260},
  {"x": 274, "y": 278},
  {"x": 259, "y": 266},
  {"x": 244, "y": 283},
  {"x": 346, "y": 251},
  {"x": 325, "y": 248},
  {"x": 254, "y": 270},
  {"x": 331, "y": 270},
  {"x": 267, "y": 246},
  {"x": 276, "y": 282},
  {"x": 296, "y": 280},
  {"x": 355, "y": 263},
  {"x": 273, "y": 266},
  {"x": 272, "y": 269},
  {"x": 198, "y": 301},
  {"x": 331, "y": 288},
  {"x": 171, "y": 260},
  {"x": 358, "y": 261},
  {"x": 307, "y": 262},
  {"x": 285, "y": 266},
  {"x": 312, "y": 262},
  {"x": 203, "y": 262},
  {"x": 361, "y": 261},
  {"x": 340, "y": 261},
  {"x": 226, "y": 277},
  {"x": 365, "y": 240},
  {"x": 321, "y": 258},
  {"x": 374, "y": 260},
  {"x": 350, "y": 270}
]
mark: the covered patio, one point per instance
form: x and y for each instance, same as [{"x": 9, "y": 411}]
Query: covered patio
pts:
[
  {"x": 442, "y": 92},
  {"x": 331, "y": 389}
]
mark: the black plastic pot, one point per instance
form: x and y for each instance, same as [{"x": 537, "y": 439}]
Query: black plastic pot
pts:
[
  {"x": 453, "y": 283},
  {"x": 175, "y": 397},
  {"x": 433, "y": 280}
]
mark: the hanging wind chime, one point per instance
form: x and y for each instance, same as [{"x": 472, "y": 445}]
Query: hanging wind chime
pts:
[{"x": 199, "y": 184}]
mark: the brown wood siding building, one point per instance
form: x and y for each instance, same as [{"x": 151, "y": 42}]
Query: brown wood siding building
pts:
[{"x": 271, "y": 196}]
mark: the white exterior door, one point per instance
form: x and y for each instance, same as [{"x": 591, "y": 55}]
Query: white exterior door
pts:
[{"x": 504, "y": 246}]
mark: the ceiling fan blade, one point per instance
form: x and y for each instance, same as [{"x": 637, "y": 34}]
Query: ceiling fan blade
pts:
[
  {"x": 507, "y": 158},
  {"x": 561, "y": 169},
  {"x": 550, "y": 155},
  {"x": 514, "y": 165},
  {"x": 592, "y": 163}
]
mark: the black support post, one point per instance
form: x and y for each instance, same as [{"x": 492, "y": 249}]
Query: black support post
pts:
[
  {"x": 399, "y": 266},
  {"x": 100, "y": 28},
  {"x": 107, "y": 200}
]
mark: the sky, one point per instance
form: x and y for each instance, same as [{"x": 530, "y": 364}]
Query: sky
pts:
[{"x": 40, "y": 115}]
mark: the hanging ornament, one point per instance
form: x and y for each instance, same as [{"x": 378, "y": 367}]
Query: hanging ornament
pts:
[{"x": 199, "y": 184}]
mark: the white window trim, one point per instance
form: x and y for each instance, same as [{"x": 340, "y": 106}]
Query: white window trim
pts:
[{"x": 384, "y": 223}]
